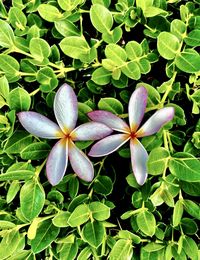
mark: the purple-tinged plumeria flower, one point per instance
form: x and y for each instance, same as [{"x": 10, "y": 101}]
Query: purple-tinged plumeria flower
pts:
[
  {"x": 66, "y": 113},
  {"x": 136, "y": 110}
]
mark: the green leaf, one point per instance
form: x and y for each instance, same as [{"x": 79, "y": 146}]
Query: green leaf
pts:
[
  {"x": 12, "y": 191},
  {"x": 192, "y": 38},
  {"x": 131, "y": 70},
  {"x": 152, "y": 247},
  {"x": 192, "y": 208},
  {"x": 17, "y": 18},
  {"x": 111, "y": 104},
  {"x": 133, "y": 50},
  {"x": 6, "y": 35},
  {"x": 67, "y": 28},
  {"x": 188, "y": 61},
  {"x": 10, "y": 67},
  {"x": 189, "y": 226},
  {"x": 192, "y": 189},
  {"x": 103, "y": 185},
  {"x": 17, "y": 142},
  {"x": 146, "y": 223},
  {"x": 101, "y": 76},
  {"x": 19, "y": 99},
  {"x": 69, "y": 251},
  {"x": 84, "y": 254},
  {"x": 116, "y": 53},
  {"x": 178, "y": 28},
  {"x": 101, "y": 18},
  {"x": 35, "y": 151},
  {"x": 46, "y": 234},
  {"x": 4, "y": 224},
  {"x": 79, "y": 216},
  {"x": 73, "y": 187},
  {"x": 83, "y": 109},
  {"x": 61, "y": 219},
  {"x": 190, "y": 247},
  {"x": 167, "y": 197},
  {"x": 99, "y": 210},
  {"x": 47, "y": 78},
  {"x": 49, "y": 12},
  {"x": 185, "y": 167},
  {"x": 4, "y": 87},
  {"x": 122, "y": 250},
  {"x": 75, "y": 47},
  {"x": 113, "y": 36},
  {"x": 166, "y": 50},
  {"x": 125, "y": 234},
  {"x": 39, "y": 48},
  {"x": 93, "y": 233},
  {"x": 10, "y": 243},
  {"x": 69, "y": 5},
  {"x": 18, "y": 171},
  {"x": 177, "y": 213},
  {"x": 157, "y": 161},
  {"x": 32, "y": 198}
]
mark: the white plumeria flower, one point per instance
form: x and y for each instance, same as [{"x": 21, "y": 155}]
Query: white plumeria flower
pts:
[
  {"x": 66, "y": 113},
  {"x": 136, "y": 110}
]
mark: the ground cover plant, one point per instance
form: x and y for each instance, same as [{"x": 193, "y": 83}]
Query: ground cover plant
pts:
[{"x": 103, "y": 51}]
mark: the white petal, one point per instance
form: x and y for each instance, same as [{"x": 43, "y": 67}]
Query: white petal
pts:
[
  {"x": 108, "y": 145},
  {"x": 90, "y": 131},
  {"x": 110, "y": 120},
  {"x": 40, "y": 125},
  {"x": 80, "y": 163},
  {"x": 156, "y": 121},
  {"x": 57, "y": 162},
  {"x": 136, "y": 107},
  {"x": 66, "y": 108},
  {"x": 139, "y": 158}
]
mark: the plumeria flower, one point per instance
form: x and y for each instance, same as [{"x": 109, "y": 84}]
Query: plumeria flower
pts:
[
  {"x": 136, "y": 110},
  {"x": 66, "y": 113}
]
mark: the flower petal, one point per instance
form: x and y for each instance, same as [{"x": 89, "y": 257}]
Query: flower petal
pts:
[
  {"x": 66, "y": 108},
  {"x": 57, "y": 162},
  {"x": 156, "y": 121},
  {"x": 139, "y": 158},
  {"x": 39, "y": 125},
  {"x": 110, "y": 120},
  {"x": 90, "y": 131},
  {"x": 80, "y": 163},
  {"x": 136, "y": 107},
  {"x": 108, "y": 145}
]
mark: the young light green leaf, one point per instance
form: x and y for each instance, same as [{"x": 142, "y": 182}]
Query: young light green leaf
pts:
[
  {"x": 6, "y": 35},
  {"x": 101, "y": 76},
  {"x": 49, "y": 12},
  {"x": 39, "y": 48},
  {"x": 12, "y": 191},
  {"x": 69, "y": 251},
  {"x": 61, "y": 219},
  {"x": 17, "y": 18},
  {"x": 10, "y": 67},
  {"x": 75, "y": 47},
  {"x": 93, "y": 233},
  {"x": 46, "y": 234},
  {"x": 35, "y": 151},
  {"x": 19, "y": 99},
  {"x": 185, "y": 167},
  {"x": 188, "y": 61},
  {"x": 32, "y": 198},
  {"x": 111, "y": 104},
  {"x": 166, "y": 50},
  {"x": 67, "y": 28},
  {"x": 177, "y": 213},
  {"x": 101, "y": 18},
  {"x": 122, "y": 250},
  {"x": 79, "y": 216},
  {"x": 157, "y": 161},
  {"x": 146, "y": 223},
  {"x": 99, "y": 210},
  {"x": 4, "y": 87}
]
